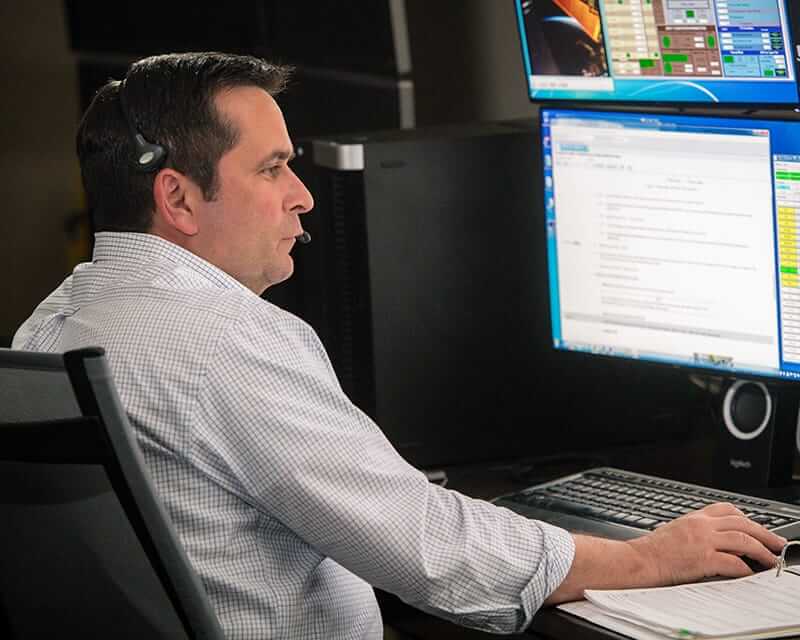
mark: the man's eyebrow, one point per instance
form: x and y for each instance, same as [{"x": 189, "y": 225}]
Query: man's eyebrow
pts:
[{"x": 280, "y": 154}]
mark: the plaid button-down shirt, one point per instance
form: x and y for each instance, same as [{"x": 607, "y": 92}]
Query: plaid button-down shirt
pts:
[{"x": 289, "y": 500}]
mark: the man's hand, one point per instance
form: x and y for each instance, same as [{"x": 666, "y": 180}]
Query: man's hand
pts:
[
  {"x": 700, "y": 544},
  {"x": 709, "y": 542}
]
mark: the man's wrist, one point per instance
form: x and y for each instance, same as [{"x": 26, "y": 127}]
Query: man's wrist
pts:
[
  {"x": 608, "y": 564},
  {"x": 646, "y": 569}
]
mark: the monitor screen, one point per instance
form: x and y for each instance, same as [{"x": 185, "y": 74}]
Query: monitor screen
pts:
[
  {"x": 674, "y": 238},
  {"x": 669, "y": 51}
]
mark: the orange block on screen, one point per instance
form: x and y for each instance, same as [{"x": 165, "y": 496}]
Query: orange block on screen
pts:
[{"x": 585, "y": 12}]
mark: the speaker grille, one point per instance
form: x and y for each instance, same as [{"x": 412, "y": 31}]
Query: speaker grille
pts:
[{"x": 749, "y": 408}]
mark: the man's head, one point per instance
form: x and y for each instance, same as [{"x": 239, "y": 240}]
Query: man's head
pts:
[{"x": 225, "y": 191}]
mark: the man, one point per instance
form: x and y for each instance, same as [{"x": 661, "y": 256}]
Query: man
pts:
[{"x": 289, "y": 500}]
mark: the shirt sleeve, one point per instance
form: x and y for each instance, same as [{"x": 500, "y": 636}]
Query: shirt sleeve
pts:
[
  {"x": 278, "y": 431},
  {"x": 49, "y": 310}
]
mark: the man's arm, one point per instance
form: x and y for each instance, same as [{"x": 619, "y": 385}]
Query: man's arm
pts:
[
  {"x": 701, "y": 544},
  {"x": 273, "y": 427}
]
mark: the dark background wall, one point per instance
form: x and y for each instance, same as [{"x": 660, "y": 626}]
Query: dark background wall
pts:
[{"x": 39, "y": 178}]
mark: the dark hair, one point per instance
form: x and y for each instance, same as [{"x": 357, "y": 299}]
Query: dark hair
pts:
[{"x": 170, "y": 101}]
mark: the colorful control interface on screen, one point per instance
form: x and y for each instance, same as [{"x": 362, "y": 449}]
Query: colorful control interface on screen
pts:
[{"x": 733, "y": 51}]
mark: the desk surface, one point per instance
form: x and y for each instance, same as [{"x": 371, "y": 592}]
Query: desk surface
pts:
[{"x": 679, "y": 460}]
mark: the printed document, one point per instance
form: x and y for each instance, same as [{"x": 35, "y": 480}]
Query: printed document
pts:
[{"x": 761, "y": 605}]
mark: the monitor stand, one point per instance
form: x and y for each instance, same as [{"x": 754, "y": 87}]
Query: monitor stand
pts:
[{"x": 756, "y": 435}]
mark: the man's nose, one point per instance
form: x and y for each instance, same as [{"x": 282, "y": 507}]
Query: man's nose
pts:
[{"x": 302, "y": 200}]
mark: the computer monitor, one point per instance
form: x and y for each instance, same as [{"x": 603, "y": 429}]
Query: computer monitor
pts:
[
  {"x": 675, "y": 238},
  {"x": 661, "y": 51}
]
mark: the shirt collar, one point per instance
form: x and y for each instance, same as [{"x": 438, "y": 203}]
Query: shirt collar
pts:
[{"x": 146, "y": 248}]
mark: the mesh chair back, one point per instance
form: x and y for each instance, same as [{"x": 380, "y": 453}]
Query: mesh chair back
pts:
[{"x": 86, "y": 548}]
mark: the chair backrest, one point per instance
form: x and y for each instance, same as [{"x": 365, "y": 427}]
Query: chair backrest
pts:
[{"x": 86, "y": 548}]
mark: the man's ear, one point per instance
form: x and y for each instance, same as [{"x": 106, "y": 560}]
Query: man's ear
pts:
[{"x": 175, "y": 198}]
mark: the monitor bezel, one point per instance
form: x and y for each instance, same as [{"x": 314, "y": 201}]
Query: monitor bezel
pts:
[
  {"x": 793, "y": 19},
  {"x": 629, "y": 362}
]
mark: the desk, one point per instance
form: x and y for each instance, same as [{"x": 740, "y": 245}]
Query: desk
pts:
[
  {"x": 548, "y": 624},
  {"x": 491, "y": 480}
]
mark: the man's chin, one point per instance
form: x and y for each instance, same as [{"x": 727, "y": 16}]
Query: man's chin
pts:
[{"x": 280, "y": 276}]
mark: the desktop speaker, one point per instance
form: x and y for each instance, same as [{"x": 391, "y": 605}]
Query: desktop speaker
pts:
[{"x": 754, "y": 447}]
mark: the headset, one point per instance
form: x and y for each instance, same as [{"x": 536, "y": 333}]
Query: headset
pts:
[{"x": 149, "y": 156}]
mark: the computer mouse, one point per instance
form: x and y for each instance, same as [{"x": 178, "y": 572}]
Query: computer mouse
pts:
[{"x": 756, "y": 566}]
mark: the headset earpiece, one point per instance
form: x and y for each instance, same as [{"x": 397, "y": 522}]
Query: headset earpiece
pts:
[{"x": 148, "y": 156}]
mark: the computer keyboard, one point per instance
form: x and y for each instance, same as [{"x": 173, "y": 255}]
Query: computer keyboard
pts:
[{"x": 618, "y": 504}]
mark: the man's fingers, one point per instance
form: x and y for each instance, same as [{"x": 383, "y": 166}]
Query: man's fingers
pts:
[
  {"x": 721, "y": 509},
  {"x": 742, "y": 544},
  {"x": 736, "y": 523},
  {"x": 729, "y": 566}
]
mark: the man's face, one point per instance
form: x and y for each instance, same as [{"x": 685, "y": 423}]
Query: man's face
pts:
[{"x": 249, "y": 228}]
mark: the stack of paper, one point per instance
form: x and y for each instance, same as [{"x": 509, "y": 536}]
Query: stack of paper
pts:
[{"x": 758, "y": 606}]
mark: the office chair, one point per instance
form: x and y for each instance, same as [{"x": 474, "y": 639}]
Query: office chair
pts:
[{"x": 86, "y": 548}]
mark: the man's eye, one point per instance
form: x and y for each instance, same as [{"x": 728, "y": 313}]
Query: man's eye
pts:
[{"x": 274, "y": 171}]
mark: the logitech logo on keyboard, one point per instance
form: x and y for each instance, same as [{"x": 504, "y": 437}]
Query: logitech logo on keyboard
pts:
[{"x": 740, "y": 464}]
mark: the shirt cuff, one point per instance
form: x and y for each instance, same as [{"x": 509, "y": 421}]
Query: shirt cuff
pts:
[{"x": 559, "y": 552}]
